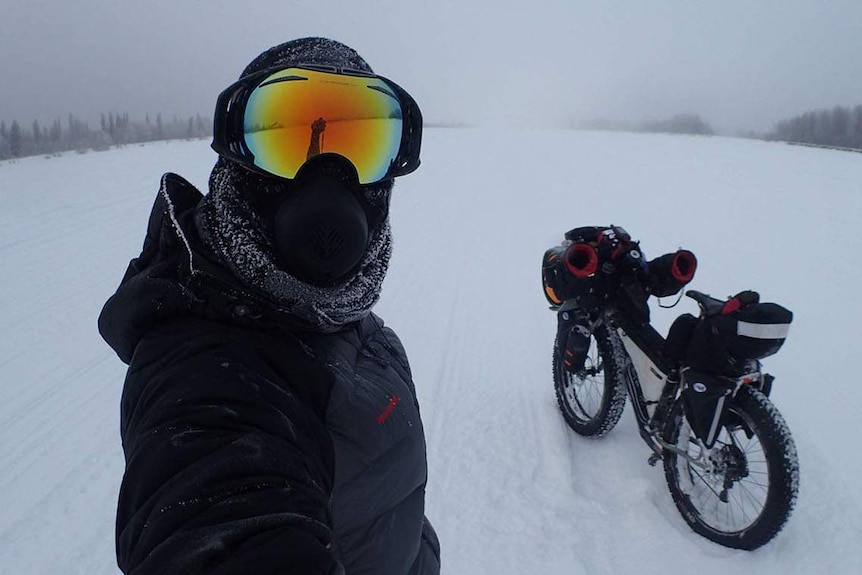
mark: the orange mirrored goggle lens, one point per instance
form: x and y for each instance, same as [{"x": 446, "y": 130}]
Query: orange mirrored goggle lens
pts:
[{"x": 296, "y": 114}]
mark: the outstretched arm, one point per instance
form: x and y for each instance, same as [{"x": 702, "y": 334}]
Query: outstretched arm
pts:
[{"x": 228, "y": 468}]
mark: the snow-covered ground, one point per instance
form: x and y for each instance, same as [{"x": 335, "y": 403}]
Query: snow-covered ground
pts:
[{"x": 512, "y": 490}]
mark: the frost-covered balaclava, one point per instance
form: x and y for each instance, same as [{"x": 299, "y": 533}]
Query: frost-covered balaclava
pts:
[{"x": 239, "y": 216}]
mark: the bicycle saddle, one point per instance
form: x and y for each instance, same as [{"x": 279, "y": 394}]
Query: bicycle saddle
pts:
[{"x": 709, "y": 304}]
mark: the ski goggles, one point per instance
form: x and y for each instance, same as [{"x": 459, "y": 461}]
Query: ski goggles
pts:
[{"x": 276, "y": 120}]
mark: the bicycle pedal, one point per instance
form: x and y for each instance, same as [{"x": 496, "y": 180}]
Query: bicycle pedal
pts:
[{"x": 653, "y": 459}]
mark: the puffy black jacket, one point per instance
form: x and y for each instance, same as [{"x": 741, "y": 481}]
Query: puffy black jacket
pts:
[{"x": 254, "y": 445}]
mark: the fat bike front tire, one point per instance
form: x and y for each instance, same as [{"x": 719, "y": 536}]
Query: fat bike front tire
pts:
[
  {"x": 744, "y": 490},
  {"x": 592, "y": 400}
]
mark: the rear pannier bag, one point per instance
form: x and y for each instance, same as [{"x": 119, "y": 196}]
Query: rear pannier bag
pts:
[{"x": 703, "y": 400}]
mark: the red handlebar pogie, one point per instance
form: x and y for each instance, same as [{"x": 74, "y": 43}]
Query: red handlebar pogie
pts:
[
  {"x": 683, "y": 266},
  {"x": 582, "y": 260}
]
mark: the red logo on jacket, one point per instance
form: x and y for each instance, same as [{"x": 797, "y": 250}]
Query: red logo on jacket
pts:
[{"x": 393, "y": 401}]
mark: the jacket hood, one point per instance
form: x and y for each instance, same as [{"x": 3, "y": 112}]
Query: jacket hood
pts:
[
  {"x": 150, "y": 289},
  {"x": 176, "y": 275}
]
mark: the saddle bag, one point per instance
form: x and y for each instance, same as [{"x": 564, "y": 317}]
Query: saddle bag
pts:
[{"x": 744, "y": 330}]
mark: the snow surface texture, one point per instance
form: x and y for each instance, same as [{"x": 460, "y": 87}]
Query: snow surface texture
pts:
[{"x": 511, "y": 490}]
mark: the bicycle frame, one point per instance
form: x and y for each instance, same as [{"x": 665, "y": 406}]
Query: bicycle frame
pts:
[
  {"x": 645, "y": 373},
  {"x": 649, "y": 387}
]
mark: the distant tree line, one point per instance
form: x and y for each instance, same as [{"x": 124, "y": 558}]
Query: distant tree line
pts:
[
  {"x": 840, "y": 127},
  {"x": 76, "y": 135},
  {"x": 677, "y": 124}
]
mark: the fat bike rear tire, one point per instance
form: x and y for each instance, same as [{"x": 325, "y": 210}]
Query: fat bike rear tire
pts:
[
  {"x": 745, "y": 495},
  {"x": 592, "y": 400}
]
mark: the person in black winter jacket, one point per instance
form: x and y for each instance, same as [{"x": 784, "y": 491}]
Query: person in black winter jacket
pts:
[{"x": 269, "y": 419}]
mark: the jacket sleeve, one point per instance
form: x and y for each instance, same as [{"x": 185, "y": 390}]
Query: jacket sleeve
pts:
[{"x": 228, "y": 468}]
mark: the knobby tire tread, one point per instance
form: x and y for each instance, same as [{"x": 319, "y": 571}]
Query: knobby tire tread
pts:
[
  {"x": 614, "y": 389},
  {"x": 782, "y": 465}
]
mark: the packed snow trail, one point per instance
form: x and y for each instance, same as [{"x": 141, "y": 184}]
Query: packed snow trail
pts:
[{"x": 511, "y": 489}]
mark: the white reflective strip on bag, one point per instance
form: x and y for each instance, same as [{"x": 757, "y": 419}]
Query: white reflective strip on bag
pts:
[{"x": 763, "y": 330}]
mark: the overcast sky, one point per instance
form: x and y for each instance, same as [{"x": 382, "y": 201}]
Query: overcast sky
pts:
[{"x": 740, "y": 64}]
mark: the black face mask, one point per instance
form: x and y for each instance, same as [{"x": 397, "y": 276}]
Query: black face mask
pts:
[{"x": 320, "y": 230}]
